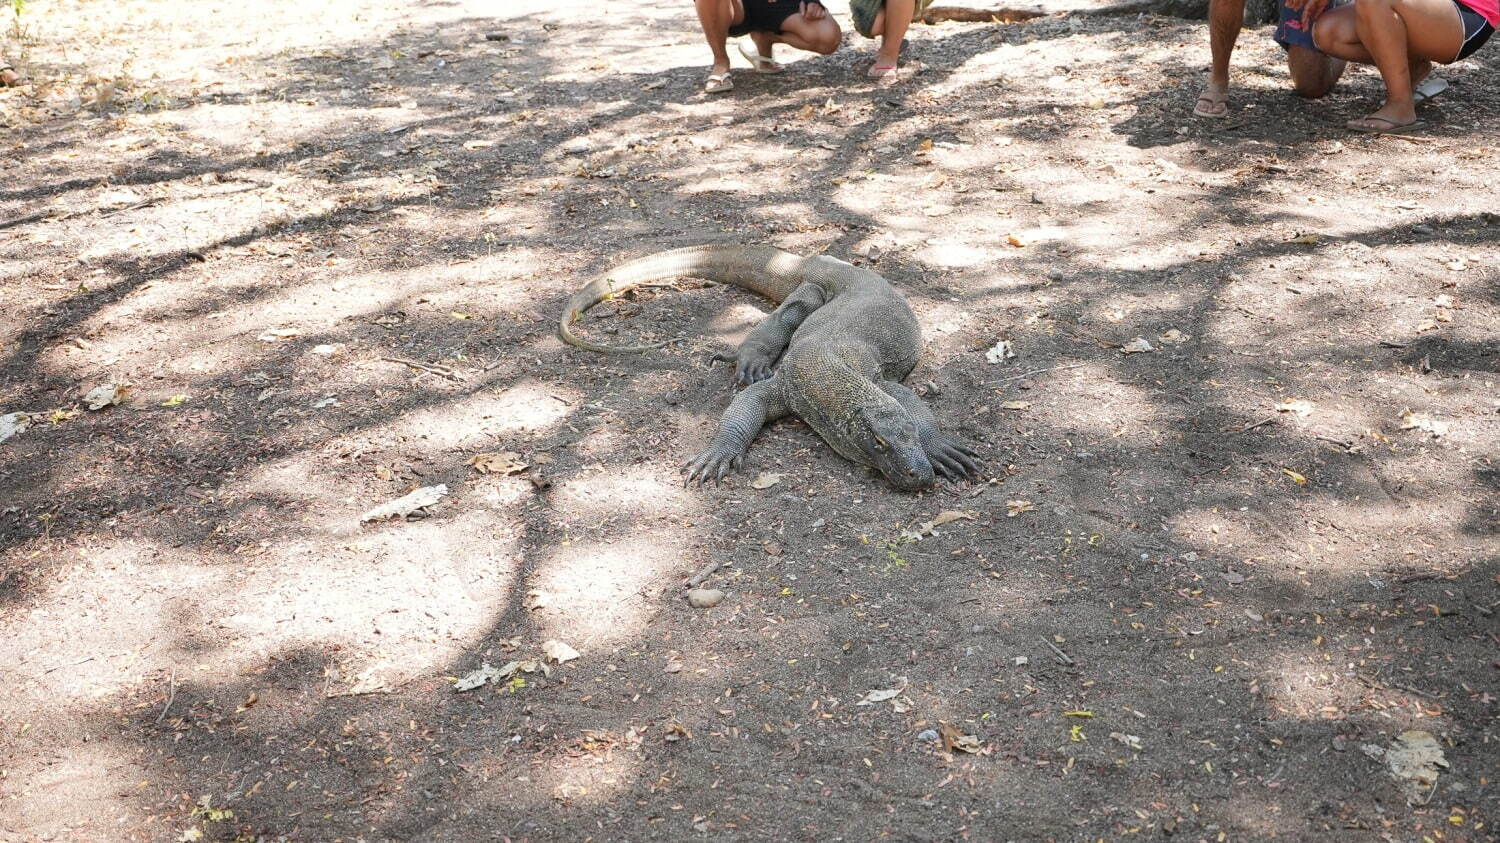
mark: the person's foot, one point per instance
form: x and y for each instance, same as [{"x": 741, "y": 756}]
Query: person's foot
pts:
[
  {"x": 719, "y": 81},
  {"x": 757, "y": 50},
  {"x": 1213, "y": 102},
  {"x": 1428, "y": 88},
  {"x": 1376, "y": 124},
  {"x": 9, "y": 78}
]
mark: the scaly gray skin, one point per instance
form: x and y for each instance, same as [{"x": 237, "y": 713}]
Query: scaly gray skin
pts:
[{"x": 844, "y": 339}]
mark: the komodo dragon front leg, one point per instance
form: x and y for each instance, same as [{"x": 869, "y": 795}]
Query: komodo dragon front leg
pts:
[
  {"x": 758, "y": 405},
  {"x": 949, "y": 457},
  {"x": 757, "y": 355}
]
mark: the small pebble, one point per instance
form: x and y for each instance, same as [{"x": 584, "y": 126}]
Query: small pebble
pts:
[
  {"x": 705, "y": 598},
  {"x": 927, "y": 735}
]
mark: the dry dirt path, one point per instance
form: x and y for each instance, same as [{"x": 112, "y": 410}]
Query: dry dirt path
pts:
[{"x": 1201, "y": 590}]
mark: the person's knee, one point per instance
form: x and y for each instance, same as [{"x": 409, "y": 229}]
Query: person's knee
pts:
[
  {"x": 1312, "y": 88},
  {"x": 1367, "y": 8},
  {"x": 825, "y": 39}
]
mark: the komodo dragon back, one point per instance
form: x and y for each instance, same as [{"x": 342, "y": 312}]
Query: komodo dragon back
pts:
[{"x": 833, "y": 354}]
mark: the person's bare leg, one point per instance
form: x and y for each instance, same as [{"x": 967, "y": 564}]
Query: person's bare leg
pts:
[
  {"x": 891, "y": 24},
  {"x": 819, "y": 36},
  {"x": 1401, "y": 38},
  {"x": 9, "y": 78},
  {"x": 1313, "y": 73},
  {"x": 1225, "y": 17},
  {"x": 764, "y": 43},
  {"x": 716, "y": 16}
]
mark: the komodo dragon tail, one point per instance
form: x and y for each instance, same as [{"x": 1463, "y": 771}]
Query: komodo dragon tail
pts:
[{"x": 763, "y": 269}]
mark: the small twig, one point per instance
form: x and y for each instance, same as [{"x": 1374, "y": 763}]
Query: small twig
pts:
[
  {"x": 703, "y": 573},
  {"x": 1408, "y": 138},
  {"x": 1066, "y": 659},
  {"x": 1417, "y": 691},
  {"x": 1039, "y": 371},
  {"x": 74, "y": 664},
  {"x": 1348, "y": 446},
  {"x": 1249, "y": 427},
  {"x": 440, "y": 371},
  {"x": 171, "y": 694}
]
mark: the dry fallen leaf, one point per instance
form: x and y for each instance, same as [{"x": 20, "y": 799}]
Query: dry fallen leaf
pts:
[
  {"x": 1295, "y": 405},
  {"x": 503, "y": 462},
  {"x": 872, "y": 697},
  {"x": 1139, "y": 345},
  {"x": 1000, "y": 352},
  {"x": 383, "y": 473},
  {"x": 1017, "y": 241},
  {"x": 13, "y": 423},
  {"x": 408, "y": 503},
  {"x": 558, "y": 651},
  {"x": 1423, "y": 421},
  {"x": 765, "y": 480},
  {"x": 955, "y": 739},
  {"x": 1015, "y": 405},
  {"x": 1017, "y": 507},
  {"x": 1296, "y": 478},
  {"x": 105, "y": 395},
  {"x": 276, "y": 334},
  {"x": 1307, "y": 239},
  {"x": 948, "y": 515},
  {"x": 1173, "y": 336}
]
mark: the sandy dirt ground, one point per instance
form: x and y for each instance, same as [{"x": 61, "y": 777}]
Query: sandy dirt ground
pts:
[{"x": 1241, "y": 586}]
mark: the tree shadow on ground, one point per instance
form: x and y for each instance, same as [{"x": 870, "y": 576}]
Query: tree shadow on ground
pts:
[{"x": 1265, "y": 638}]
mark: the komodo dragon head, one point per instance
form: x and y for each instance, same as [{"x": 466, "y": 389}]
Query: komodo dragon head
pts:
[{"x": 886, "y": 438}]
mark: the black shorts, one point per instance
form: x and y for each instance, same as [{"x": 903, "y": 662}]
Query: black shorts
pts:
[
  {"x": 765, "y": 16},
  {"x": 1477, "y": 30}
]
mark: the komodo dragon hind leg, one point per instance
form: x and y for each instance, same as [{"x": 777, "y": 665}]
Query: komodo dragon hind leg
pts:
[
  {"x": 757, "y": 355},
  {"x": 949, "y": 457},
  {"x": 752, "y": 409}
]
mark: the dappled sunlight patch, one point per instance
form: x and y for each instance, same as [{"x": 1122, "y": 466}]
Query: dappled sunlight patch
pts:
[
  {"x": 101, "y": 774},
  {"x": 1118, "y": 412},
  {"x": 606, "y": 490},
  {"x": 593, "y": 768},
  {"x": 598, "y": 589},
  {"x": 1326, "y": 675}
]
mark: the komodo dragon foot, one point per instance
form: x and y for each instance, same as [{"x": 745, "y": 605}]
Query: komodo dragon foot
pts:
[{"x": 749, "y": 367}]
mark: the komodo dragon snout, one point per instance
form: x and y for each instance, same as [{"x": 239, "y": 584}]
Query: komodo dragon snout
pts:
[{"x": 833, "y": 354}]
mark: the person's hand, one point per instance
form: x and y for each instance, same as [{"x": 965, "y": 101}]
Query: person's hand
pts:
[
  {"x": 1310, "y": 10},
  {"x": 813, "y": 11}
]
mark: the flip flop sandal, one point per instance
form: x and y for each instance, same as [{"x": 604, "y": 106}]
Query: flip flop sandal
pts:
[
  {"x": 1215, "y": 101},
  {"x": 1429, "y": 88},
  {"x": 882, "y": 71},
  {"x": 1394, "y": 127},
  {"x": 762, "y": 64},
  {"x": 718, "y": 83}
]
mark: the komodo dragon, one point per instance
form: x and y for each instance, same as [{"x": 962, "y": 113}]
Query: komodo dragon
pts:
[{"x": 844, "y": 338}]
